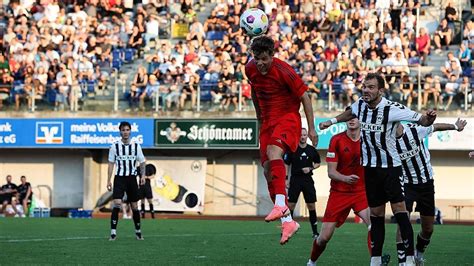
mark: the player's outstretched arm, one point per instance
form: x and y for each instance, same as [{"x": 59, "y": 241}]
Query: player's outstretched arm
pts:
[
  {"x": 428, "y": 119},
  {"x": 343, "y": 117},
  {"x": 458, "y": 126},
  {"x": 308, "y": 111}
]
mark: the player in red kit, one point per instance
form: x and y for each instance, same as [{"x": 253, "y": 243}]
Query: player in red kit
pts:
[
  {"x": 347, "y": 186},
  {"x": 277, "y": 93}
]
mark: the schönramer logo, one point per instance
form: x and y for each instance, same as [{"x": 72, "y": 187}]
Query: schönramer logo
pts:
[{"x": 49, "y": 132}]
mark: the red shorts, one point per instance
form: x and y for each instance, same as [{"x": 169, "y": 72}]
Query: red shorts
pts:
[
  {"x": 287, "y": 129},
  {"x": 340, "y": 204}
]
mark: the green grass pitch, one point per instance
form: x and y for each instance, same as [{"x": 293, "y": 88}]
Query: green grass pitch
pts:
[{"x": 204, "y": 242}]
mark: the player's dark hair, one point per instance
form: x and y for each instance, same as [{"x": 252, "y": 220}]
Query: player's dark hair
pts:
[
  {"x": 378, "y": 77},
  {"x": 124, "y": 124},
  {"x": 262, "y": 44}
]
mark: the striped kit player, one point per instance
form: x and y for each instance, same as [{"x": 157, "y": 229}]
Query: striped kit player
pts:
[
  {"x": 123, "y": 156},
  {"x": 379, "y": 119},
  {"x": 418, "y": 179}
]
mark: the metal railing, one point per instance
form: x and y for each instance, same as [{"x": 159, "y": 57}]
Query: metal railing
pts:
[{"x": 83, "y": 95}]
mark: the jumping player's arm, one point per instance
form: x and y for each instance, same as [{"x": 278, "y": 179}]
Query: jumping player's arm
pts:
[
  {"x": 110, "y": 168},
  {"x": 458, "y": 126},
  {"x": 343, "y": 117},
  {"x": 308, "y": 111},
  {"x": 399, "y": 112}
]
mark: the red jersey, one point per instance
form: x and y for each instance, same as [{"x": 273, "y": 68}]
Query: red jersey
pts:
[
  {"x": 278, "y": 92},
  {"x": 346, "y": 153}
]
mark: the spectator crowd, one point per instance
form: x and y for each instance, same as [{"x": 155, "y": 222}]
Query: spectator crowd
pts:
[{"x": 62, "y": 51}]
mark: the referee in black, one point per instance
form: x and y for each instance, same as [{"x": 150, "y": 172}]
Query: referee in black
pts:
[
  {"x": 303, "y": 161},
  {"x": 124, "y": 154},
  {"x": 379, "y": 119}
]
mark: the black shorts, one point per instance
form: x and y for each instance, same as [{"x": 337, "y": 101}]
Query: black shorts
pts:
[
  {"x": 383, "y": 185},
  {"x": 127, "y": 184},
  {"x": 300, "y": 184},
  {"x": 6, "y": 198},
  {"x": 23, "y": 198},
  {"x": 145, "y": 191},
  {"x": 423, "y": 195}
]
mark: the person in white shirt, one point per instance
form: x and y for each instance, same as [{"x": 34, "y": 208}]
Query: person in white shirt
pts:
[
  {"x": 152, "y": 29},
  {"x": 394, "y": 42}
]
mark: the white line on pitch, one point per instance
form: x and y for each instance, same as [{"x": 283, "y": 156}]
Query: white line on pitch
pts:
[{"x": 96, "y": 237}]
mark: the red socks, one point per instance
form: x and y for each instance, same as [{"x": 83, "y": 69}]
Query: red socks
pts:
[
  {"x": 271, "y": 191},
  {"x": 278, "y": 173}
]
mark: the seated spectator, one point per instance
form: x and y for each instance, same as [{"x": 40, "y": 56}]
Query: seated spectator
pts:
[
  {"x": 4, "y": 65},
  {"x": 394, "y": 42},
  {"x": 414, "y": 59},
  {"x": 189, "y": 93},
  {"x": 400, "y": 65},
  {"x": 25, "y": 195},
  {"x": 465, "y": 90},
  {"x": 443, "y": 36},
  {"x": 450, "y": 13},
  {"x": 135, "y": 40},
  {"x": 246, "y": 92},
  {"x": 174, "y": 94},
  {"x": 468, "y": 32},
  {"x": 137, "y": 87},
  {"x": 432, "y": 87},
  {"x": 451, "y": 66},
  {"x": 408, "y": 24},
  {"x": 391, "y": 82},
  {"x": 62, "y": 94},
  {"x": 8, "y": 191},
  {"x": 373, "y": 64},
  {"x": 151, "y": 91},
  {"x": 407, "y": 92},
  {"x": 218, "y": 93},
  {"x": 6, "y": 83},
  {"x": 24, "y": 91},
  {"x": 423, "y": 45},
  {"x": 196, "y": 31},
  {"x": 231, "y": 96},
  {"x": 451, "y": 89},
  {"x": 465, "y": 56}
]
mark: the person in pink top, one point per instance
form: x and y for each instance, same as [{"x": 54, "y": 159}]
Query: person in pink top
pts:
[{"x": 423, "y": 44}]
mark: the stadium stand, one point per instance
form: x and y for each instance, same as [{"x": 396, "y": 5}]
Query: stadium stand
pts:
[{"x": 76, "y": 55}]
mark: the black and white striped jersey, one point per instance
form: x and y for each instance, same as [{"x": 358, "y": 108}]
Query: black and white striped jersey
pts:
[
  {"x": 415, "y": 156},
  {"x": 378, "y": 131},
  {"x": 125, "y": 157}
]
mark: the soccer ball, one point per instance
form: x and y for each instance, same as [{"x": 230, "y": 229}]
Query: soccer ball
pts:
[{"x": 254, "y": 22}]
